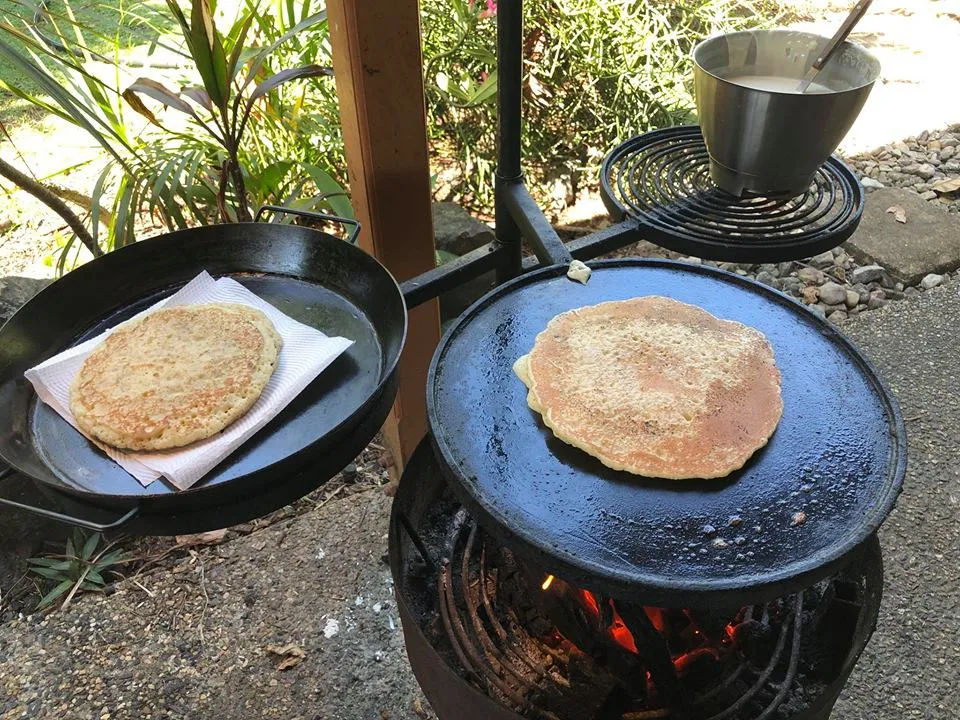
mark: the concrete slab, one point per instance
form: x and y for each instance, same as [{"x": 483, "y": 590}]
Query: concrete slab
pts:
[
  {"x": 908, "y": 671},
  {"x": 928, "y": 242}
]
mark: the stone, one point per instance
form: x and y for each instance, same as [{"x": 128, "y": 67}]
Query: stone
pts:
[
  {"x": 811, "y": 276},
  {"x": 922, "y": 170},
  {"x": 862, "y": 290},
  {"x": 833, "y": 294},
  {"x": 837, "y": 316},
  {"x": 789, "y": 285},
  {"x": 870, "y": 184},
  {"x": 931, "y": 281},
  {"x": 867, "y": 274},
  {"x": 15, "y": 291},
  {"x": 456, "y": 231},
  {"x": 876, "y": 300},
  {"x": 929, "y": 242},
  {"x": 770, "y": 268},
  {"x": 947, "y": 153},
  {"x": 785, "y": 268},
  {"x": 929, "y": 195},
  {"x": 818, "y": 311},
  {"x": 764, "y": 277},
  {"x": 853, "y": 299},
  {"x": 894, "y": 294},
  {"x": 822, "y": 261}
]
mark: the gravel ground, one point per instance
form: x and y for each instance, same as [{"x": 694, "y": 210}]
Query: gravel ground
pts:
[
  {"x": 191, "y": 641},
  {"x": 928, "y": 164},
  {"x": 909, "y": 670}
]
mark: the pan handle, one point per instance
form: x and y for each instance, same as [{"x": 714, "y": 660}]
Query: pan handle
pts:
[
  {"x": 68, "y": 519},
  {"x": 352, "y": 238}
]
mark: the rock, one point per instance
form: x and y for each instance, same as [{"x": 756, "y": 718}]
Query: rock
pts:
[
  {"x": 770, "y": 268},
  {"x": 951, "y": 167},
  {"x": 894, "y": 294},
  {"x": 876, "y": 300},
  {"x": 789, "y": 285},
  {"x": 837, "y": 316},
  {"x": 898, "y": 286},
  {"x": 765, "y": 277},
  {"x": 15, "y": 291},
  {"x": 833, "y": 294},
  {"x": 811, "y": 276},
  {"x": 870, "y": 184},
  {"x": 929, "y": 195},
  {"x": 886, "y": 281},
  {"x": 822, "y": 261},
  {"x": 862, "y": 290},
  {"x": 818, "y": 311},
  {"x": 931, "y": 281},
  {"x": 810, "y": 294},
  {"x": 785, "y": 268},
  {"x": 867, "y": 274},
  {"x": 853, "y": 299},
  {"x": 921, "y": 170},
  {"x": 948, "y": 153},
  {"x": 456, "y": 231}
]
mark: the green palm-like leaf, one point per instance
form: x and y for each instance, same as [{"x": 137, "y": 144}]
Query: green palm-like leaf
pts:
[{"x": 59, "y": 590}]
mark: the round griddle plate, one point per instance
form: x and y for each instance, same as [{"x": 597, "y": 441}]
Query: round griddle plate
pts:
[
  {"x": 838, "y": 454},
  {"x": 328, "y": 401}
]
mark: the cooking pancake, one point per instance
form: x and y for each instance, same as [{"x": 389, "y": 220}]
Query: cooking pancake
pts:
[
  {"x": 175, "y": 376},
  {"x": 655, "y": 387}
]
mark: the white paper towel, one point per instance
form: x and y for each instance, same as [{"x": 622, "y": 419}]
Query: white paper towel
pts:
[{"x": 304, "y": 355}]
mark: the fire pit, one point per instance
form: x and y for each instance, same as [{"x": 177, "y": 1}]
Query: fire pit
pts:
[
  {"x": 493, "y": 637},
  {"x": 532, "y": 582}
]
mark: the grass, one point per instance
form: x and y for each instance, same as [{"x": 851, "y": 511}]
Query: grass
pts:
[{"x": 137, "y": 23}]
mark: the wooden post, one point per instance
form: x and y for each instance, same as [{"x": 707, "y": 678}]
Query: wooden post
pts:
[{"x": 378, "y": 70}]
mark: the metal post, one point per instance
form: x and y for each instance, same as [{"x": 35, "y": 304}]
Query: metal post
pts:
[{"x": 509, "y": 71}]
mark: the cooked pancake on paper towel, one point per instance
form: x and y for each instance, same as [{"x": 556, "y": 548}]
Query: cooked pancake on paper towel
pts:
[
  {"x": 655, "y": 387},
  {"x": 175, "y": 376}
]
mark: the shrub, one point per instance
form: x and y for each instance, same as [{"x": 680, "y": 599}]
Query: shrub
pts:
[{"x": 596, "y": 73}]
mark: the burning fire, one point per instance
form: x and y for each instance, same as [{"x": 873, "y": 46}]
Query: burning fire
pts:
[{"x": 687, "y": 642}]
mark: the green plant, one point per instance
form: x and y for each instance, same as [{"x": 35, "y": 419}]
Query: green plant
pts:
[
  {"x": 87, "y": 565},
  {"x": 595, "y": 73},
  {"x": 201, "y": 164}
]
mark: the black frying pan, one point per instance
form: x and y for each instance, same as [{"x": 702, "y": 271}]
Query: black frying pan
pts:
[
  {"x": 314, "y": 277},
  {"x": 838, "y": 454}
]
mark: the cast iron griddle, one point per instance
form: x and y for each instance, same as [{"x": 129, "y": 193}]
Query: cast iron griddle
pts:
[{"x": 838, "y": 454}]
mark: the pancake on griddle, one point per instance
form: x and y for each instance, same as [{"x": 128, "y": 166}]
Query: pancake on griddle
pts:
[
  {"x": 655, "y": 387},
  {"x": 175, "y": 376}
]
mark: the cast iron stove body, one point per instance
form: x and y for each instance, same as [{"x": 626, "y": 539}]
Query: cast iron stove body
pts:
[{"x": 532, "y": 582}]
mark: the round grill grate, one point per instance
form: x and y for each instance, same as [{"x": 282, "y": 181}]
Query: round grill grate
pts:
[{"x": 662, "y": 180}]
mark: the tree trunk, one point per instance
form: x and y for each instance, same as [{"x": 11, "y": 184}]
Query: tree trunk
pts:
[{"x": 50, "y": 199}]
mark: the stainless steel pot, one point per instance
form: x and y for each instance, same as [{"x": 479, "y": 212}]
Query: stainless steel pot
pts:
[{"x": 769, "y": 139}]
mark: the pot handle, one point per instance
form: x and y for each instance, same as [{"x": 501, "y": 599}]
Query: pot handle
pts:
[
  {"x": 6, "y": 472},
  {"x": 351, "y": 238}
]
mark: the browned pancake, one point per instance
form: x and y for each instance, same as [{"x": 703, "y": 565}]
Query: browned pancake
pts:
[{"x": 655, "y": 387}]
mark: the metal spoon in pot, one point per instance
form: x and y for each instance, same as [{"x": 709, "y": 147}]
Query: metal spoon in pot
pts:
[{"x": 835, "y": 42}]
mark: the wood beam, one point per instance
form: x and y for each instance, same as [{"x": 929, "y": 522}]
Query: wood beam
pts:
[{"x": 378, "y": 70}]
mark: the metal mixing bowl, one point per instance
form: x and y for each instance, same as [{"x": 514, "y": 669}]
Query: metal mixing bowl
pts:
[{"x": 771, "y": 141}]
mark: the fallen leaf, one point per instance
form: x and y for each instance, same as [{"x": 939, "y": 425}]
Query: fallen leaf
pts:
[
  {"x": 418, "y": 708},
  {"x": 950, "y": 185},
  {"x": 292, "y": 655},
  {"x": 811, "y": 294},
  {"x": 899, "y": 214},
  {"x": 214, "y": 537}
]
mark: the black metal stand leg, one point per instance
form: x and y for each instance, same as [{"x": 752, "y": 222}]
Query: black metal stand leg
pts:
[{"x": 509, "y": 72}]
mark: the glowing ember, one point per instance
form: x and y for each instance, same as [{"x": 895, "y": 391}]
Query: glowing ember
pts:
[{"x": 547, "y": 583}]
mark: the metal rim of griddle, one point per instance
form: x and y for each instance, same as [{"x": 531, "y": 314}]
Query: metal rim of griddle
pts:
[
  {"x": 661, "y": 179},
  {"x": 648, "y": 586},
  {"x": 287, "y": 458}
]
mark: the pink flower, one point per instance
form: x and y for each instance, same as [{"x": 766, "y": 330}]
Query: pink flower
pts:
[{"x": 491, "y": 10}]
